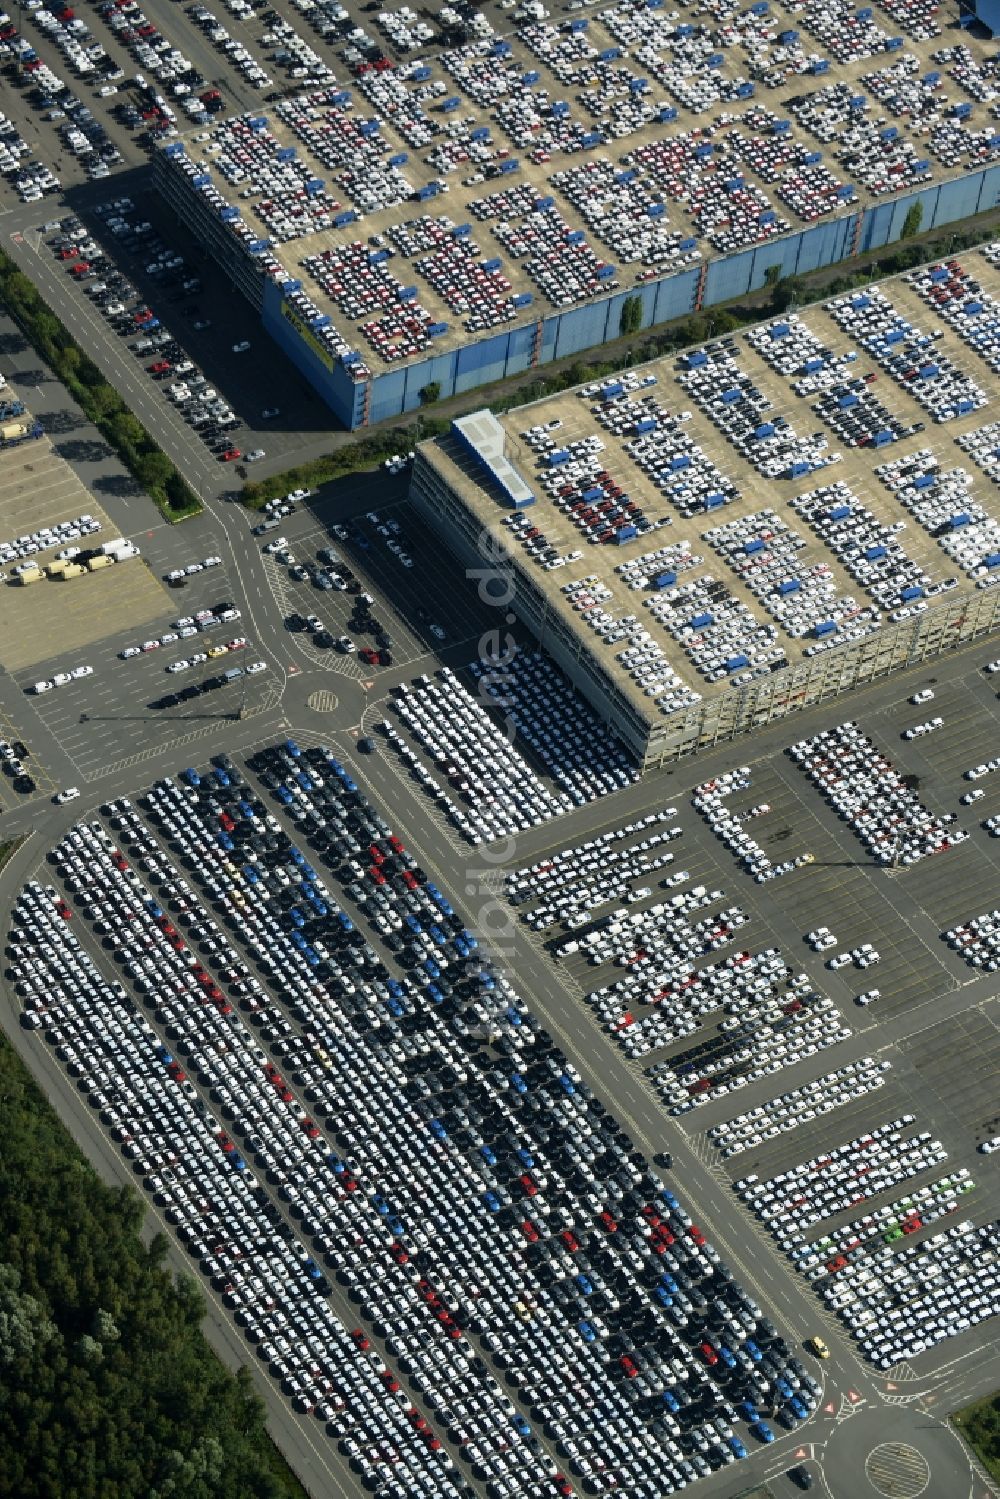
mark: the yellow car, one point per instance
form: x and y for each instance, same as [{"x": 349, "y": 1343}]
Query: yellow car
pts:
[
  {"x": 817, "y": 1346},
  {"x": 216, "y": 650}
]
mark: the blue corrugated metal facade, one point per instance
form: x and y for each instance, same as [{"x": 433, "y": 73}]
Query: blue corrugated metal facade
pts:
[{"x": 583, "y": 328}]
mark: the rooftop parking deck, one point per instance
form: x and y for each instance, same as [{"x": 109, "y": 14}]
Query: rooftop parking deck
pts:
[
  {"x": 692, "y": 536},
  {"x": 624, "y": 144}
]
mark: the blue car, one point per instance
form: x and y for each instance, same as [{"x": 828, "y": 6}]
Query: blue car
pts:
[
  {"x": 284, "y": 795},
  {"x": 489, "y": 1155},
  {"x": 518, "y": 1083},
  {"x": 584, "y": 1284},
  {"x": 727, "y": 1356},
  {"x": 292, "y": 748},
  {"x": 747, "y": 1410},
  {"x": 753, "y": 1350},
  {"x": 492, "y": 1201},
  {"x": 191, "y": 777},
  {"x": 521, "y": 1424},
  {"x": 798, "y": 1408},
  {"x": 762, "y": 1432},
  {"x": 737, "y": 1448},
  {"x": 525, "y": 1157},
  {"x": 670, "y": 1400},
  {"x": 587, "y": 1332}
]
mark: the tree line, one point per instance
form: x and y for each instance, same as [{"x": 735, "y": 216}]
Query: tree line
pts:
[{"x": 108, "y": 1389}]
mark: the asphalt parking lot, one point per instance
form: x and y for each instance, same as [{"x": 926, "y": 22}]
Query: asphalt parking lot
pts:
[
  {"x": 410, "y": 600},
  {"x": 943, "y": 1071}
]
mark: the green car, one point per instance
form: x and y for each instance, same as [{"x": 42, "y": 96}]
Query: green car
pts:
[{"x": 893, "y": 1235}]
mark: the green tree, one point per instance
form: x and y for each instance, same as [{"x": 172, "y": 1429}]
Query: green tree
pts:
[
  {"x": 430, "y": 393},
  {"x": 631, "y": 316},
  {"x": 912, "y": 222}
]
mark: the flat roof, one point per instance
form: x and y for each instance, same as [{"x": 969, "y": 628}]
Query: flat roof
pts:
[
  {"x": 636, "y": 152},
  {"x": 711, "y": 558}
]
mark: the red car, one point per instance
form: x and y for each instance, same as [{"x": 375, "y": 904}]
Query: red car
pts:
[
  {"x": 709, "y": 1354},
  {"x": 530, "y": 1231},
  {"x": 608, "y": 1222},
  {"x": 159, "y": 367},
  {"x": 629, "y": 1365},
  {"x": 528, "y": 1185},
  {"x": 230, "y": 455},
  {"x": 361, "y": 1340}
]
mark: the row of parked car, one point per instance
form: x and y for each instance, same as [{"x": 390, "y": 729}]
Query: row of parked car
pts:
[
  {"x": 787, "y": 1111},
  {"x": 870, "y": 796},
  {"x": 796, "y": 1200},
  {"x": 495, "y": 789}
]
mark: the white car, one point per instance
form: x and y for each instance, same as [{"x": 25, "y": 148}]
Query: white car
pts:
[
  {"x": 61, "y": 678},
  {"x": 181, "y": 665},
  {"x": 972, "y": 796},
  {"x": 212, "y": 562},
  {"x": 255, "y": 456},
  {"x": 69, "y": 795},
  {"x": 150, "y": 645},
  {"x": 82, "y": 671},
  {"x": 42, "y": 687},
  {"x": 869, "y": 996},
  {"x": 256, "y": 667},
  {"x": 346, "y": 644},
  {"x": 170, "y": 638},
  {"x": 839, "y": 960},
  {"x": 199, "y": 658},
  {"x": 924, "y": 696},
  {"x": 242, "y": 346},
  {"x": 270, "y": 547},
  {"x": 989, "y": 1146},
  {"x": 992, "y": 666},
  {"x": 129, "y": 652}
]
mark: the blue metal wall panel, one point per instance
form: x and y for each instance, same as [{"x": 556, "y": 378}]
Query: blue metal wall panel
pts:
[
  {"x": 783, "y": 253},
  {"x": 439, "y": 368},
  {"x": 520, "y": 343},
  {"x": 482, "y": 362},
  {"x": 675, "y": 296},
  {"x": 582, "y": 328},
  {"x": 388, "y": 396},
  {"x": 728, "y": 278},
  {"x": 550, "y": 333}
]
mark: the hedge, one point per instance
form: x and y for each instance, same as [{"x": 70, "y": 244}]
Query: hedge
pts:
[{"x": 96, "y": 397}]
